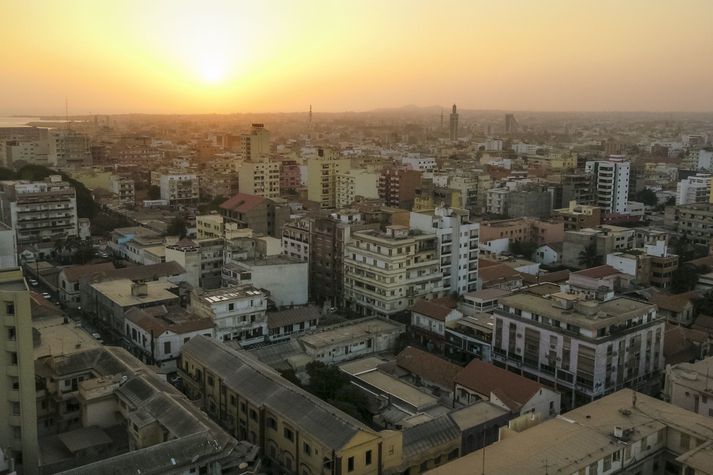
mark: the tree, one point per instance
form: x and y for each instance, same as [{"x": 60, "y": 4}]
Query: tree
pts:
[
  {"x": 648, "y": 197},
  {"x": 177, "y": 227},
  {"x": 154, "y": 192},
  {"x": 684, "y": 278},
  {"x": 589, "y": 257},
  {"x": 325, "y": 381},
  {"x": 523, "y": 248}
]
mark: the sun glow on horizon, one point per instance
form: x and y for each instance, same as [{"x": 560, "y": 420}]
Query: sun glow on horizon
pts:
[{"x": 280, "y": 55}]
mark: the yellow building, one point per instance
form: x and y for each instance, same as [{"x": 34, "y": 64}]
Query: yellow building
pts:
[
  {"x": 322, "y": 172},
  {"x": 295, "y": 430},
  {"x": 255, "y": 146},
  {"x": 18, "y": 412},
  {"x": 260, "y": 178}
]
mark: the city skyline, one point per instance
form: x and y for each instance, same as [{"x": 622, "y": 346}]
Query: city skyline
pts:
[{"x": 223, "y": 57}]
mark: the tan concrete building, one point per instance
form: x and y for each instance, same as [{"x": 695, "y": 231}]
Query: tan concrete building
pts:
[
  {"x": 260, "y": 178},
  {"x": 296, "y": 431},
  {"x": 18, "y": 412},
  {"x": 385, "y": 273},
  {"x": 625, "y": 432},
  {"x": 322, "y": 172}
]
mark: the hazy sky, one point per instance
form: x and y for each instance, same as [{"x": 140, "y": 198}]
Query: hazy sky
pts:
[{"x": 110, "y": 56}]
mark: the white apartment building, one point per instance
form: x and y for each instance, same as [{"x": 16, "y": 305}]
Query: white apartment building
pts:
[
  {"x": 702, "y": 158},
  {"x": 322, "y": 172},
  {"x": 457, "y": 245},
  {"x": 417, "y": 162},
  {"x": 497, "y": 201},
  {"x": 295, "y": 239},
  {"x": 201, "y": 258},
  {"x": 611, "y": 178},
  {"x": 179, "y": 189},
  {"x": 68, "y": 148},
  {"x": 123, "y": 188},
  {"x": 353, "y": 183},
  {"x": 690, "y": 386},
  {"x": 8, "y": 247},
  {"x": 385, "y": 273},
  {"x": 260, "y": 178},
  {"x": 40, "y": 210},
  {"x": 694, "y": 189},
  {"x": 586, "y": 348},
  {"x": 238, "y": 312}
]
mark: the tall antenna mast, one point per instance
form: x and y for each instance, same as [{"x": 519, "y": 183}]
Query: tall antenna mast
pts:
[{"x": 66, "y": 112}]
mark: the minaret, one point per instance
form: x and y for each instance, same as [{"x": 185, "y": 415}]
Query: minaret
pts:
[
  {"x": 454, "y": 124},
  {"x": 310, "y": 114}
]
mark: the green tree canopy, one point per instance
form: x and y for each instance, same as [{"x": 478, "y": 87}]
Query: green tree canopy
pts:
[{"x": 589, "y": 257}]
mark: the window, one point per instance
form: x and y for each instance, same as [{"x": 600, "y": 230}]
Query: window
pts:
[
  {"x": 232, "y": 400},
  {"x": 367, "y": 458},
  {"x": 253, "y": 414},
  {"x": 210, "y": 380},
  {"x": 289, "y": 435},
  {"x": 350, "y": 464},
  {"x": 166, "y": 347},
  {"x": 685, "y": 441},
  {"x": 307, "y": 449},
  {"x": 271, "y": 423},
  {"x": 9, "y": 308}
]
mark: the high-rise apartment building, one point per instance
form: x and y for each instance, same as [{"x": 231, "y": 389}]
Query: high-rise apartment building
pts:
[
  {"x": 694, "y": 189},
  {"x": 28, "y": 145},
  {"x": 255, "y": 146},
  {"x": 611, "y": 183},
  {"x": 260, "y": 178},
  {"x": 585, "y": 348},
  {"x": 353, "y": 183},
  {"x": 457, "y": 244},
  {"x": 8, "y": 247},
  {"x": 180, "y": 189},
  {"x": 385, "y": 273},
  {"x": 18, "y": 411},
  {"x": 123, "y": 188},
  {"x": 322, "y": 172},
  {"x": 397, "y": 186},
  {"x": 39, "y": 211},
  {"x": 68, "y": 148},
  {"x": 453, "y": 130}
]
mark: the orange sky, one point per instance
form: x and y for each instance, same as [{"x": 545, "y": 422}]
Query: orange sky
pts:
[{"x": 266, "y": 56}]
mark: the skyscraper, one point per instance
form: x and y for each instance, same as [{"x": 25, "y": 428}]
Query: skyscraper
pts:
[
  {"x": 454, "y": 124},
  {"x": 511, "y": 124},
  {"x": 611, "y": 183}
]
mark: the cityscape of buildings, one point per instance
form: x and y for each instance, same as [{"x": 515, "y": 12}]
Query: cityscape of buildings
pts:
[{"x": 356, "y": 238}]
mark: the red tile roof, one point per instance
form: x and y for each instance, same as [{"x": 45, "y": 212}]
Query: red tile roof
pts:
[
  {"x": 431, "y": 310},
  {"x": 674, "y": 303},
  {"x": 598, "y": 272},
  {"x": 242, "y": 202},
  {"x": 485, "y": 378},
  {"x": 428, "y": 366},
  {"x": 73, "y": 273},
  {"x": 499, "y": 272}
]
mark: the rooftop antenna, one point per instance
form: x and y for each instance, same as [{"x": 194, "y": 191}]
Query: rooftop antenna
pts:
[{"x": 66, "y": 112}]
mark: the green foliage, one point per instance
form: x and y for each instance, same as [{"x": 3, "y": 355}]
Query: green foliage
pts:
[
  {"x": 684, "y": 278},
  {"x": 154, "y": 192},
  {"x": 647, "y": 196},
  {"x": 177, "y": 227},
  {"x": 523, "y": 248},
  {"x": 212, "y": 205},
  {"x": 589, "y": 257},
  {"x": 104, "y": 222}
]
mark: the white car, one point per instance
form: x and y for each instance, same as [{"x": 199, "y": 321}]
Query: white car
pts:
[
  {"x": 97, "y": 336},
  {"x": 46, "y": 295}
]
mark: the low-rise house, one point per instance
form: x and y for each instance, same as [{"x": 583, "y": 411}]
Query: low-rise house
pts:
[
  {"x": 470, "y": 337},
  {"x": 69, "y": 277},
  {"x": 590, "y": 282},
  {"x": 499, "y": 276},
  {"x": 549, "y": 254},
  {"x": 624, "y": 432},
  {"x": 481, "y": 300},
  {"x": 157, "y": 334},
  {"x": 284, "y": 324},
  {"x": 677, "y": 308},
  {"x": 130, "y": 243},
  {"x": 428, "y": 323},
  {"x": 352, "y": 339},
  {"x": 686, "y": 345},
  {"x": 238, "y": 312},
  {"x": 690, "y": 386},
  {"x": 428, "y": 369},
  {"x": 480, "y": 380}
]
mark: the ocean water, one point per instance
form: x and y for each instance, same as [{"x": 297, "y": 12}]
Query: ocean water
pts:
[{"x": 9, "y": 121}]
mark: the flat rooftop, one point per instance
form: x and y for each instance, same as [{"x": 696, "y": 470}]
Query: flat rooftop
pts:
[
  {"x": 603, "y": 313},
  {"x": 230, "y": 293},
  {"x": 59, "y": 338},
  {"x": 119, "y": 292},
  {"x": 349, "y": 332},
  {"x": 584, "y": 435},
  {"x": 393, "y": 387}
]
